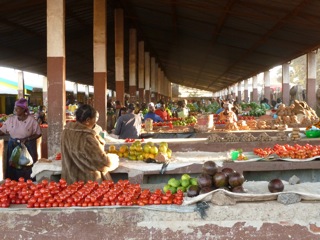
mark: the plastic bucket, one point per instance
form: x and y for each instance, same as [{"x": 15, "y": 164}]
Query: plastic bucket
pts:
[{"x": 234, "y": 155}]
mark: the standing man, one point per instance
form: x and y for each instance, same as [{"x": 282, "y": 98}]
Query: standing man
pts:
[{"x": 128, "y": 125}]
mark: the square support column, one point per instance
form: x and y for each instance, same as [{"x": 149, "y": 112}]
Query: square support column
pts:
[{"x": 56, "y": 73}]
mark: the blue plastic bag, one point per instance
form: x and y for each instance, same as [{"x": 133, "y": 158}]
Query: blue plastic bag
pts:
[{"x": 25, "y": 157}]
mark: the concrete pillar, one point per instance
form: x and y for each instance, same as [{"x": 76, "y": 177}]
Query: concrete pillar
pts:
[
  {"x": 147, "y": 76},
  {"x": 165, "y": 88},
  {"x": 100, "y": 60},
  {"x": 267, "y": 90},
  {"x": 56, "y": 73},
  {"x": 86, "y": 91},
  {"x": 285, "y": 84},
  {"x": 155, "y": 88},
  {"x": 158, "y": 84},
  {"x": 20, "y": 84},
  {"x": 235, "y": 92},
  {"x": 311, "y": 80},
  {"x": 119, "y": 54},
  {"x": 141, "y": 71},
  {"x": 133, "y": 64},
  {"x": 255, "y": 89},
  {"x": 75, "y": 91},
  {"x": 239, "y": 93},
  {"x": 152, "y": 78},
  {"x": 246, "y": 91},
  {"x": 45, "y": 92}
]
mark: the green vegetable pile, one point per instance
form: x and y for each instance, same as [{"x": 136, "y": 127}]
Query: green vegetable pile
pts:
[
  {"x": 211, "y": 108},
  {"x": 254, "y": 109}
]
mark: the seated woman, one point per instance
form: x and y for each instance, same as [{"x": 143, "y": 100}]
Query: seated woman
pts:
[
  {"x": 82, "y": 150},
  {"x": 265, "y": 103},
  {"x": 221, "y": 107},
  {"x": 42, "y": 115},
  {"x": 227, "y": 114},
  {"x": 161, "y": 111},
  {"x": 151, "y": 113},
  {"x": 182, "y": 110}
]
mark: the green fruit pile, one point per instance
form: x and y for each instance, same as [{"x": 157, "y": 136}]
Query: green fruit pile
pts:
[{"x": 180, "y": 184}]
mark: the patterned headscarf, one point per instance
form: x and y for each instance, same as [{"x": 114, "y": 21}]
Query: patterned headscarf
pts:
[{"x": 23, "y": 103}]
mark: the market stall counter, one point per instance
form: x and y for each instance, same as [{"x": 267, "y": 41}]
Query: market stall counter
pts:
[
  {"x": 165, "y": 132},
  {"x": 188, "y": 155},
  {"x": 243, "y": 220},
  {"x": 191, "y": 163}
]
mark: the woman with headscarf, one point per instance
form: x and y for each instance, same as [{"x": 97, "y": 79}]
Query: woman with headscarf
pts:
[
  {"x": 227, "y": 114},
  {"x": 22, "y": 128},
  {"x": 161, "y": 111}
]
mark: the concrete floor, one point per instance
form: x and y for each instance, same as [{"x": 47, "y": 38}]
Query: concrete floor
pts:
[{"x": 243, "y": 221}]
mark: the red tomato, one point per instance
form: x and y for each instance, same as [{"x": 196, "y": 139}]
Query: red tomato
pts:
[
  {"x": 30, "y": 205},
  {"x": 48, "y": 205}
]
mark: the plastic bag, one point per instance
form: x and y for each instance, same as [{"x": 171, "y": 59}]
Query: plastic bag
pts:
[
  {"x": 15, "y": 156},
  {"x": 25, "y": 157}
]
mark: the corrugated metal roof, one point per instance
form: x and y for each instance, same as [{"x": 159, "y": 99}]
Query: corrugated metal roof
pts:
[{"x": 202, "y": 44}]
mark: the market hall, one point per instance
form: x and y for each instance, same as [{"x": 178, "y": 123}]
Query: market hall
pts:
[{"x": 57, "y": 70}]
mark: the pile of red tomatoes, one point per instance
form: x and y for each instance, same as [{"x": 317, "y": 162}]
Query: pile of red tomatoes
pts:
[
  {"x": 79, "y": 194},
  {"x": 295, "y": 151}
]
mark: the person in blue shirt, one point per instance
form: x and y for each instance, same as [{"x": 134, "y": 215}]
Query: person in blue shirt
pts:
[
  {"x": 151, "y": 114},
  {"x": 265, "y": 102},
  {"x": 221, "y": 108}
]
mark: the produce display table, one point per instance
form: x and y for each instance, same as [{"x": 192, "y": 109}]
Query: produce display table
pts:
[
  {"x": 244, "y": 220},
  {"x": 168, "y": 135},
  {"x": 138, "y": 176},
  {"x": 138, "y": 171},
  {"x": 221, "y": 132},
  {"x": 188, "y": 145},
  {"x": 165, "y": 132},
  {"x": 203, "y": 144}
]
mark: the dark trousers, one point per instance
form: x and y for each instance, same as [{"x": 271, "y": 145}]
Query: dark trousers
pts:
[{"x": 25, "y": 171}]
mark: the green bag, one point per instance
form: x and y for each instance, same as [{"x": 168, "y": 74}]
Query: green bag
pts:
[{"x": 15, "y": 156}]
